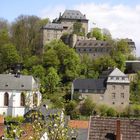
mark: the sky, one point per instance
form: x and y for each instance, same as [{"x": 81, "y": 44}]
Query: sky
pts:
[{"x": 121, "y": 17}]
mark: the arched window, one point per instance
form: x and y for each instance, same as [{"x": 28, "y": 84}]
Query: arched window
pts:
[
  {"x": 22, "y": 99},
  {"x": 6, "y": 99},
  {"x": 35, "y": 99}
]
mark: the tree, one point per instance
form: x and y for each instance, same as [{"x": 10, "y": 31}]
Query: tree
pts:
[
  {"x": 65, "y": 60},
  {"x": 52, "y": 80},
  {"x": 50, "y": 59},
  {"x": 27, "y": 35},
  {"x": 4, "y": 32},
  {"x": 38, "y": 71},
  {"x": 88, "y": 107},
  {"x": 8, "y": 56},
  {"x": 96, "y": 32},
  {"x": 87, "y": 68}
]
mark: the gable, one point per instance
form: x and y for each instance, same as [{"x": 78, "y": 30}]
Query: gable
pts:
[{"x": 117, "y": 72}]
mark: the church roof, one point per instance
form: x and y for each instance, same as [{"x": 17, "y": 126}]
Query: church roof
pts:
[{"x": 13, "y": 82}]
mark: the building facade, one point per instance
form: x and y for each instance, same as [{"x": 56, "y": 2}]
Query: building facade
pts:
[
  {"x": 18, "y": 94},
  {"x": 93, "y": 48},
  {"x": 64, "y": 24},
  {"x": 112, "y": 91}
]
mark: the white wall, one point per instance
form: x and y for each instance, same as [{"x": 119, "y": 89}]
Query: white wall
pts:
[{"x": 14, "y": 107}]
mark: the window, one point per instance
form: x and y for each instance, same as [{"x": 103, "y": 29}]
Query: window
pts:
[
  {"x": 113, "y": 95},
  {"x": 6, "y": 99},
  {"x": 111, "y": 78},
  {"x": 35, "y": 99},
  {"x": 22, "y": 99},
  {"x": 122, "y": 95},
  {"x": 113, "y": 103}
]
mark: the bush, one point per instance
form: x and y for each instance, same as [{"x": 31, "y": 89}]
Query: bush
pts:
[{"x": 88, "y": 107}]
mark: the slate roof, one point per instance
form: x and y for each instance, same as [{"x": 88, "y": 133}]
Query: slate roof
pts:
[
  {"x": 90, "y": 84},
  {"x": 105, "y": 128},
  {"x": 54, "y": 26},
  {"x": 11, "y": 82},
  {"x": 91, "y": 43},
  {"x": 73, "y": 14}
]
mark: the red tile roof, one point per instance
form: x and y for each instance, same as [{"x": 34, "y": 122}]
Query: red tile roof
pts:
[
  {"x": 78, "y": 124},
  {"x": 104, "y": 128}
]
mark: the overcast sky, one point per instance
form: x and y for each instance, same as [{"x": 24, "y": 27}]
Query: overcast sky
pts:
[{"x": 121, "y": 17}]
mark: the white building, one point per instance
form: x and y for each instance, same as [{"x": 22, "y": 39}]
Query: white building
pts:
[{"x": 18, "y": 94}]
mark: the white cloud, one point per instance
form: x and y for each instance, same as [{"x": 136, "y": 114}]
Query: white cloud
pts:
[
  {"x": 52, "y": 12},
  {"x": 123, "y": 21}
]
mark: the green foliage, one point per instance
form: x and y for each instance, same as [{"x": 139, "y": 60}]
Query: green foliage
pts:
[
  {"x": 78, "y": 29},
  {"x": 70, "y": 106},
  {"x": 8, "y": 56},
  {"x": 88, "y": 107},
  {"x": 50, "y": 59},
  {"x": 88, "y": 68},
  {"x": 38, "y": 71},
  {"x": 18, "y": 119},
  {"x": 52, "y": 80},
  {"x": 135, "y": 90},
  {"x": 96, "y": 32},
  {"x": 64, "y": 59},
  {"x": 26, "y": 35},
  {"x": 104, "y": 110},
  {"x": 31, "y": 61}
]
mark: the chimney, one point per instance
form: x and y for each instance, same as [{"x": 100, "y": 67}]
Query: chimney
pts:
[{"x": 118, "y": 130}]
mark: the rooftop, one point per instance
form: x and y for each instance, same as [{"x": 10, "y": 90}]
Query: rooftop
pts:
[
  {"x": 12, "y": 82},
  {"x": 73, "y": 14},
  {"x": 78, "y": 124},
  {"x": 53, "y": 26},
  {"x": 92, "y": 43},
  {"x": 90, "y": 84},
  {"x": 105, "y": 128}
]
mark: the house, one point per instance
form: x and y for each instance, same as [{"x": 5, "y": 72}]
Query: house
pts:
[
  {"x": 64, "y": 24},
  {"x": 112, "y": 89},
  {"x": 1, "y": 126},
  {"x": 94, "y": 48},
  {"x": 18, "y": 94},
  {"x": 103, "y": 128},
  {"x": 79, "y": 129}
]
